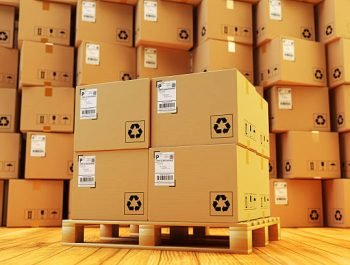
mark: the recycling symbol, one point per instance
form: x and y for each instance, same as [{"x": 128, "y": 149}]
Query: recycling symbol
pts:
[
  {"x": 183, "y": 34},
  {"x": 218, "y": 198},
  {"x": 4, "y": 121},
  {"x": 318, "y": 74},
  {"x": 3, "y": 36},
  {"x": 320, "y": 120},
  {"x": 337, "y": 73},
  {"x": 204, "y": 31},
  {"x": 338, "y": 216},
  {"x": 329, "y": 30},
  {"x": 222, "y": 126},
  {"x": 270, "y": 167},
  {"x": 123, "y": 35},
  {"x": 135, "y": 131},
  {"x": 288, "y": 167},
  {"x": 314, "y": 215},
  {"x": 134, "y": 203},
  {"x": 126, "y": 77},
  {"x": 306, "y": 34},
  {"x": 340, "y": 119}
]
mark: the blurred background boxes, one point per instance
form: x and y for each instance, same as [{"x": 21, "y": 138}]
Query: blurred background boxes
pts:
[
  {"x": 7, "y": 25},
  {"x": 10, "y": 157},
  {"x": 8, "y": 70}
]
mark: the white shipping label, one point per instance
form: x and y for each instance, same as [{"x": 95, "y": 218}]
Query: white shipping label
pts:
[
  {"x": 88, "y": 13},
  {"x": 150, "y": 58},
  {"x": 88, "y": 104},
  {"x": 281, "y": 193},
  {"x": 288, "y": 50},
  {"x": 92, "y": 54},
  {"x": 38, "y": 146},
  {"x": 166, "y": 96},
  {"x": 86, "y": 171},
  {"x": 275, "y": 9},
  {"x": 150, "y": 11},
  {"x": 230, "y": 4},
  {"x": 231, "y": 46},
  {"x": 285, "y": 100},
  {"x": 164, "y": 168}
]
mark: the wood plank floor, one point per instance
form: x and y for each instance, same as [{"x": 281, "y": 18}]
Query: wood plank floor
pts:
[{"x": 298, "y": 246}]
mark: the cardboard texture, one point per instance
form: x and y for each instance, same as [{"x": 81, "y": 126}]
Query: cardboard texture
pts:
[
  {"x": 119, "y": 119},
  {"x": 49, "y": 156},
  {"x": 297, "y": 202},
  {"x": 120, "y": 191},
  {"x": 218, "y": 55},
  {"x": 341, "y": 108},
  {"x": 298, "y": 108},
  {"x": 10, "y": 155},
  {"x": 210, "y": 183},
  {"x": 8, "y": 110},
  {"x": 260, "y": 90},
  {"x": 49, "y": 109},
  {"x": 273, "y": 156},
  {"x": 8, "y": 70},
  {"x": 344, "y": 139},
  {"x": 291, "y": 61},
  {"x": 164, "y": 24},
  {"x": 156, "y": 62},
  {"x": 99, "y": 21},
  {"x": 33, "y": 203},
  {"x": 100, "y": 62},
  {"x": 70, "y": 2},
  {"x": 309, "y": 155},
  {"x": 14, "y": 3},
  {"x": 128, "y": 2},
  {"x": 7, "y": 25},
  {"x": 46, "y": 64},
  {"x": 190, "y": 2}
]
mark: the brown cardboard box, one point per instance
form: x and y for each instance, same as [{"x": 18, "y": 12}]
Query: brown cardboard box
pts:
[
  {"x": 291, "y": 61},
  {"x": 8, "y": 70},
  {"x": 49, "y": 109},
  {"x": 218, "y": 55},
  {"x": 156, "y": 62},
  {"x": 49, "y": 156},
  {"x": 44, "y": 21},
  {"x": 164, "y": 24},
  {"x": 14, "y": 3},
  {"x": 190, "y": 2},
  {"x": 8, "y": 110},
  {"x": 104, "y": 22},
  {"x": 309, "y": 155},
  {"x": 7, "y": 25},
  {"x": 341, "y": 108},
  {"x": 262, "y": 125},
  {"x": 10, "y": 155},
  {"x": 284, "y": 17},
  {"x": 225, "y": 20},
  {"x": 273, "y": 156},
  {"x": 260, "y": 90},
  {"x": 297, "y": 202},
  {"x": 100, "y": 62},
  {"x": 71, "y": 2},
  {"x": 110, "y": 186},
  {"x": 46, "y": 64},
  {"x": 33, "y": 203},
  {"x": 208, "y": 183},
  {"x": 128, "y": 2},
  {"x": 298, "y": 109},
  {"x": 344, "y": 139},
  {"x": 112, "y": 116}
]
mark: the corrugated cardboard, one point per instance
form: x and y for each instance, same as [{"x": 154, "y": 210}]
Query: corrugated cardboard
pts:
[
  {"x": 33, "y": 203},
  {"x": 8, "y": 110},
  {"x": 122, "y": 116},
  {"x": 164, "y": 24},
  {"x": 49, "y": 109},
  {"x": 46, "y": 64},
  {"x": 7, "y": 25},
  {"x": 120, "y": 192},
  {"x": 341, "y": 108},
  {"x": 111, "y": 63},
  {"x": 297, "y": 202},
  {"x": 309, "y": 155},
  {"x": 8, "y": 70},
  {"x": 156, "y": 62},
  {"x": 279, "y": 65},
  {"x": 10, "y": 155},
  {"x": 53, "y": 160},
  {"x": 344, "y": 140},
  {"x": 273, "y": 156}
]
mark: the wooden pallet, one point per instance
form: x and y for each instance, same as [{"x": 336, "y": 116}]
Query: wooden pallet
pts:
[{"x": 242, "y": 237}]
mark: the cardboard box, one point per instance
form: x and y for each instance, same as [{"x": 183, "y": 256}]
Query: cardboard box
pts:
[
  {"x": 44, "y": 22},
  {"x": 100, "y": 62},
  {"x": 291, "y": 61},
  {"x": 260, "y": 90},
  {"x": 8, "y": 70},
  {"x": 10, "y": 155},
  {"x": 298, "y": 108},
  {"x": 225, "y": 20},
  {"x": 99, "y": 21},
  {"x": 344, "y": 140},
  {"x": 164, "y": 24},
  {"x": 128, "y": 2},
  {"x": 49, "y": 156},
  {"x": 297, "y": 202},
  {"x": 112, "y": 116},
  {"x": 262, "y": 125},
  {"x": 14, "y": 3},
  {"x": 46, "y": 64},
  {"x": 309, "y": 155},
  {"x": 190, "y": 2},
  {"x": 49, "y": 109},
  {"x": 70, "y": 2},
  {"x": 284, "y": 17},
  {"x": 110, "y": 186},
  {"x": 7, "y": 25},
  {"x": 341, "y": 108},
  {"x": 156, "y": 62},
  {"x": 2, "y": 183},
  {"x": 218, "y": 55},
  {"x": 208, "y": 183},
  {"x": 8, "y": 110},
  {"x": 33, "y": 203},
  {"x": 273, "y": 156}
]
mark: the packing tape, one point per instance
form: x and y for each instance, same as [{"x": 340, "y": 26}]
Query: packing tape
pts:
[
  {"x": 47, "y": 128},
  {"x": 246, "y": 86},
  {"x": 47, "y": 83},
  {"x": 230, "y": 38},
  {"x": 246, "y": 156},
  {"x": 48, "y": 47},
  {"x": 261, "y": 163},
  {"x": 44, "y": 40},
  {"x": 263, "y": 48},
  {"x": 230, "y": 4},
  {"x": 46, "y": 6},
  {"x": 48, "y": 91},
  {"x": 34, "y": 223},
  {"x": 36, "y": 184},
  {"x": 315, "y": 135}
]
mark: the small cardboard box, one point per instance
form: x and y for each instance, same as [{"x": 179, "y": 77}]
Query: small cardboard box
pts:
[
  {"x": 273, "y": 156},
  {"x": 10, "y": 155},
  {"x": 7, "y": 25},
  {"x": 340, "y": 103},
  {"x": 344, "y": 140},
  {"x": 8, "y": 110},
  {"x": 8, "y": 70}
]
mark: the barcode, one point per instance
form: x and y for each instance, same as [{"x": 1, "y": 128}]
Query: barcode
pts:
[
  {"x": 88, "y": 16},
  {"x": 284, "y": 103},
  {"x": 87, "y": 179},
  {"x": 150, "y": 62},
  {"x": 150, "y": 15},
  {"x": 165, "y": 177},
  {"x": 88, "y": 111},
  {"x": 275, "y": 14},
  {"x": 288, "y": 54},
  {"x": 166, "y": 105},
  {"x": 92, "y": 59},
  {"x": 280, "y": 199},
  {"x": 37, "y": 151}
]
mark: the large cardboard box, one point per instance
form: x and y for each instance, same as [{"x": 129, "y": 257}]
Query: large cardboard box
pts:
[
  {"x": 298, "y": 108},
  {"x": 218, "y": 55},
  {"x": 33, "y": 203},
  {"x": 49, "y": 109},
  {"x": 104, "y": 22},
  {"x": 49, "y": 156},
  {"x": 112, "y": 116},
  {"x": 8, "y": 70},
  {"x": 273, "y": 156},
  {"x": 157, "y": 61},
  {"x": 291, "y": 61},
  {"x": 10, "y": 155},
  {"x": 344, "y": 140},
  {"x": 225, "y": 20},
  {"x": 164, "y": 24},
  {"x": 7, "y": 25},
  {"x": 298, "y": 203},
  {"x": 340, "y": 102},
  {"x": 309, "y": 155},
  {"x": 8, "y": 110},
  {"x": 100, "y": 62}
]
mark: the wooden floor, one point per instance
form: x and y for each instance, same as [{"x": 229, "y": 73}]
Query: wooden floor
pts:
[{"x": 298, "y": 246}]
